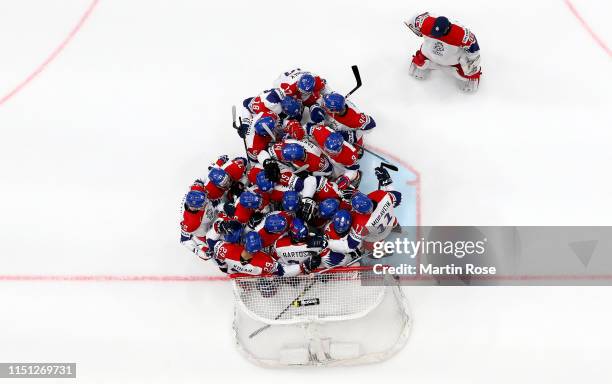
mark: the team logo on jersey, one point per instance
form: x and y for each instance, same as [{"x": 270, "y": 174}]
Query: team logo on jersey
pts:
[{"x": 438, "y": 48}]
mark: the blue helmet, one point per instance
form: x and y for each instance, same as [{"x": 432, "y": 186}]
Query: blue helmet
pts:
[
  {"x": 265, "y": 125},
  {"x": 275, "y": 223},
  {"x": 250, "y": 200},
  {"x": 334, "y": 142},
  {"x": 219, "y": 177},
  {"x": 441, "y": 27},
  {"x": 291, "y": 201},
  {"x": 361, "y": 203},
  {"x": 195, "y": 199},
  {"x": 291, "y": 106},
  {"x": 263, "y": 182},
  {"x": 306, "y": 83},
  {"x": 298, "y": 230},
  {"x": 293, "y": 151},
  {"x": 233, "y": 236},
  {"x": 328, "y": 207},
  {"x": 342, "y": 221},
  {"x": 334, "y": 102},
  {"x": 252, "y": 242}
]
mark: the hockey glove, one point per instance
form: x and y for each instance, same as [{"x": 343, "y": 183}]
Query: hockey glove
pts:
[
  {"x": 307, "y": 208},
  {"x": 343, "y": 182},
  {"x": 255, "y": 219},
  {"x": 348, "y": 193},
  {"x": 236, "y": 189},
  {"x": 355, "y": 253},
  {"x": 226, "y": 227},
  {"x": 316, "y": 241},
  {"x": 229, "y": 209},
  {"x": 311, "y": 264},
  {"x": 272, "y": 170},
  {"x": 396, "y": 197},
  {"x": 242, "y": 130},
  {"x": 383, "y": 176}
]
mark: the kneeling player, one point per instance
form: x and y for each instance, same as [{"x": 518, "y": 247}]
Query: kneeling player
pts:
[{"x": 445, "y": 45}]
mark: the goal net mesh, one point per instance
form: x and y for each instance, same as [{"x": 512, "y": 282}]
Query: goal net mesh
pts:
[{"x": 345, "y": 316}]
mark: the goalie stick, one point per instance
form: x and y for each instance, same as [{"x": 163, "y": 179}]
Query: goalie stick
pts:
[
  {"x": 386, "y": 163},
  {"x": 304, "y": 291}
]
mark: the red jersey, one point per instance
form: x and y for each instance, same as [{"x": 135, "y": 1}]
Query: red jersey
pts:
[
  {"x": 315, "y": 162},
  {"x": 348, "y": 155},
  {"x": 231, "y": 255}
]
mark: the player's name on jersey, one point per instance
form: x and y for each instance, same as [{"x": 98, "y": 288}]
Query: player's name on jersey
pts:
[{"x": 433, "y": 270}]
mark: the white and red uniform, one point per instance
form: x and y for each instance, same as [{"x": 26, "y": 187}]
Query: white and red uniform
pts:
[
  {"x": 327, "y": 189},
  {"x": 289, "y": 181},
  {"x": 195, "y": 224},
  {"x": 256, "y": 143},
  {"x": 351, "y": 123},
  {"x": 339, "y": 247},
  {"x": 229, "y": 255},
  {"x": 377, "y": 225},
  {"x": 235, "y": 168},
  {"x": 268, "y": 238},
  {"x": 316, "y": 162},
  {"x": 288, "y": 83},
  {"x": 346, "y": 161},
  {"x": 243, "y": 214},
  {"x": 348, "y": 157},
  {"x": 288, "y": 251},
  {"x": 267, "y": 101},
  {"x": 458, "y": 48}
]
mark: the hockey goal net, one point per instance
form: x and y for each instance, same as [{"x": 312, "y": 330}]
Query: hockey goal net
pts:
[{"x": 343, "y": 316}]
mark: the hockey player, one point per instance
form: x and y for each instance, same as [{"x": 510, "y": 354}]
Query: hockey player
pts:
[
  {"x": 250, "y": 202},
  {"x": 304, "y": 207},
  {"x": 249, "y": 259},
  {"x": 340, "y": 248},
  {"x": 342, "y": 115},
  {"x": 445, "y": 45},
  {"x": 259, "y": 133},
  {"x": 302, "y": 85},
  {"x": 343, "y": 154},
  {"x": 303, "y": 156},
  {"x": 198, "y": 214},
  {"x": 274, "y": 225},
  {"x": 271, "y": 101},
  {"x": 326, "y": 210},
  {"x": 372, "y": 215},
  {"x": 223, "y": 176},
  {"x": 292, "y": 248}
]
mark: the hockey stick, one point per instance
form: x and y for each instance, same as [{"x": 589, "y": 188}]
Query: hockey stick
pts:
[
  {"x": 237, "y": 126},
  {"x": 357, "y": 78},
  {"x": 304, "y": 291},
  {"x": 385, "y": 163}
]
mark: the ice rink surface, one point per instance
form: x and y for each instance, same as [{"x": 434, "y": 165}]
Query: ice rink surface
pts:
[{"x": 110, "y": 109}]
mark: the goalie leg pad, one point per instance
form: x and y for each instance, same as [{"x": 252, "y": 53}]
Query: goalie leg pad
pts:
[{"x": 467, "y": 83}]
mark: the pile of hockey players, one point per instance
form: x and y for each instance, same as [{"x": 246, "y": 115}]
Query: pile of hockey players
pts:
[{"x": 293, "y": 204}]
